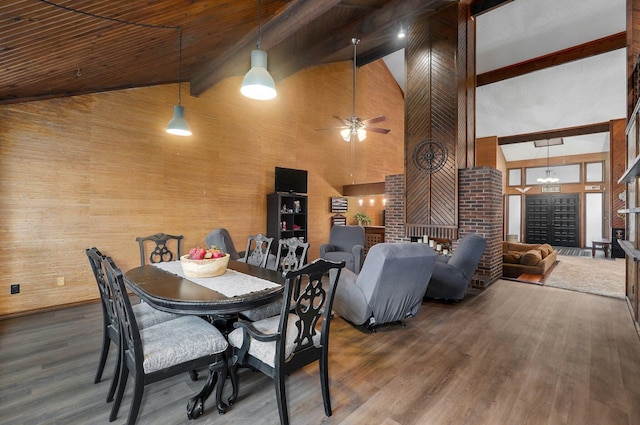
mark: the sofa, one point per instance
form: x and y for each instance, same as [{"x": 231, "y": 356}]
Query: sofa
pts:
[{"x": 519, "y": 258}]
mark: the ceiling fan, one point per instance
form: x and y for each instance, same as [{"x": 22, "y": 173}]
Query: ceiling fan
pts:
[{"x": 355, "y": 126}]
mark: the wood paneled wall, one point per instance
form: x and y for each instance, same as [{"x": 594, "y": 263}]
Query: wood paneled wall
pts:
[{"x": 99, "y": 170}]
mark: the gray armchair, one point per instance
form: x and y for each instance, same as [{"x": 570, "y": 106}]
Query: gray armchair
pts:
[
  {"x": 451, "y": 279},
  {"x": 390, "y": 286},
  {"x": 346, "y": 243},
  {"x": 221, "y": 238}
]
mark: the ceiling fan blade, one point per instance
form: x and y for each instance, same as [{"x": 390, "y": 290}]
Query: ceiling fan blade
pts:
[
  {"x": 330, "y": 128},
  {"x": 374, "y": 120},
  {"x": 342, "y": 120},
  {"x": 377, "y": 130}
]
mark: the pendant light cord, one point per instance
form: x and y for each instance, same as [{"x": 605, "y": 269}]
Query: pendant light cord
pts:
[
  {"x": 355, "y": 42},
  {"x": 138, "y": 24},
  {"x": 259, "y": 24},
  {"x": 180, "y": 67}
]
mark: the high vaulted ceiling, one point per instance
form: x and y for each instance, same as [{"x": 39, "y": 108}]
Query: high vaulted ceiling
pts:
[
  {"x": 49, "y": 50},
  {"x": 566, "y": 94}
]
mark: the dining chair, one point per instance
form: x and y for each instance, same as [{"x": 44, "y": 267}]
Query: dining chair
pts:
[
  {"x": 258, "y": 250},
  {"x": 279, "y": 345},
  {"x": 161, "y": 251},
  {"x": 145, "y": 316},
  {"x": 164, "y": 350},
  {"x": 291, "y": 255}
]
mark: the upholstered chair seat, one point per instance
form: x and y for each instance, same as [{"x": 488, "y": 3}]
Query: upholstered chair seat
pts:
[{"x": 179, "y": 341}]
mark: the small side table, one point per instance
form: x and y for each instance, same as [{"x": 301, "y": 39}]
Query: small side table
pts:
[{"x": 600, "y": 244}]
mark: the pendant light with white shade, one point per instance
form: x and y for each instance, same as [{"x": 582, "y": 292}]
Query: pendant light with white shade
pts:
[
  {"x": 178, "y": 125},
  {"x": 258, "y": 83}
]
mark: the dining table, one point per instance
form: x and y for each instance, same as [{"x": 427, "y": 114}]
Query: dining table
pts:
[{"x": 220, "y": 299}]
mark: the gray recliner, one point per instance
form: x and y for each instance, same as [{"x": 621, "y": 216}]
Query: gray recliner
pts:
[
  {"x": 390, "y": 286},
  {"x": 221, "y": 238},
  {"x": 451, "y": 279},
  {"x": 346, "y": 243}
]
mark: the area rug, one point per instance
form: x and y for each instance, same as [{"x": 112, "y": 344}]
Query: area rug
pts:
[
  {"x": 591, "y": 275},
  {"x": 574, "y": 251}
]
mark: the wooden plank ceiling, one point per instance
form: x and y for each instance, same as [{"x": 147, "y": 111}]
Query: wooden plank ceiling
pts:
[{"x": 54, "y": 48}]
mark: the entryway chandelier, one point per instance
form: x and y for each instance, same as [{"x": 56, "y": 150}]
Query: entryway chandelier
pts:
[{"x": 547, "y": 179}]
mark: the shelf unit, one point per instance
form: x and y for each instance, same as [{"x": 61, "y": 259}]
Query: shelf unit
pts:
[{"x": 284, "y": 218}]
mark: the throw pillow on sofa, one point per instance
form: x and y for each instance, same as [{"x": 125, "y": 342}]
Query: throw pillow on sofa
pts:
[
  {"x": 531, "y": 257},
  {"x": 545, "y": 250},
  {"x": 511, "y": 257}
]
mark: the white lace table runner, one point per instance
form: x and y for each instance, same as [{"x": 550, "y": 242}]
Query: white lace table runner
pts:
[{"x": 230, "y": 284}]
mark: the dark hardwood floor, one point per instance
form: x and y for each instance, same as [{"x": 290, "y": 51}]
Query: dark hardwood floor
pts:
[{"x": 514, "y": 354}]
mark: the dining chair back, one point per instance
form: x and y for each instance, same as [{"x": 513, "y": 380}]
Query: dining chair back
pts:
[
  {"x": 145, "y": 314},
  {"x": 292, "y": 254},
  {"x": 258, "y": 249},
  {"x": 164, "y": 350},
  {"x": 161, "y": 251},
  {"x": 279, "y": 345}
]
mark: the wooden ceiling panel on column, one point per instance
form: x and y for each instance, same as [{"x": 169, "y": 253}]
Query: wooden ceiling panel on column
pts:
[{"x": 432, "y": 102}]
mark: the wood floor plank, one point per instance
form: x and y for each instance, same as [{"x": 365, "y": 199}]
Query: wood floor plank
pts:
[{"x": 513, "y": 354}]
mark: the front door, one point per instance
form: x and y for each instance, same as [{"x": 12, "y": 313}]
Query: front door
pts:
[{"x": 553, "y": 219}]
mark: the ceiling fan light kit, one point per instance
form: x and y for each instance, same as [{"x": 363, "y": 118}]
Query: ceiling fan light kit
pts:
[
  {"x": 258, "y": 83},
  {"x": 354, "y": 126}
]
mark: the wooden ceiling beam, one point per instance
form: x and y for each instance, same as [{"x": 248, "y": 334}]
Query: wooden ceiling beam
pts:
[
  {"x": 478, "y": 7},
  {"x": 592, "y": 48},
  {"x": 377, "y": 21},
  {"x": 600, "y": 127},
  {"x": 292, "y": 17}
]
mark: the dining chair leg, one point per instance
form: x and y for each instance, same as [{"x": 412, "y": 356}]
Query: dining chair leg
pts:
[
  {"x": 281, "y": 396},
  {"x": 233, "y": 377},
  {"x": 122, "y": 383},
  {"x": 115, "y": 378},
  {"x": 106, "y": 341},
  {"x": 138, "y": 390},
  {"x": 324, "y": 382}
]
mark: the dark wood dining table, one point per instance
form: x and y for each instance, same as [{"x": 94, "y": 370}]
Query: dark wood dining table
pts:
[
  {"x": 172, "y": 293},
  {"x": 169, "y": 292}
]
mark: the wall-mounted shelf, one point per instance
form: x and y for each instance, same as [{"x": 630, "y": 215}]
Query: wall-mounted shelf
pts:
[
  {"x": 629, "y": 211},
  {"x": 629, "y": 249},
  {"x": 632, "y": 172}
]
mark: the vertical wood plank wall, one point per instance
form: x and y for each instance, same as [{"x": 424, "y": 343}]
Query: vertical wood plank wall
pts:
[
  {"x": 437, "y": 102},
  {"x": 99, "y": 170}
]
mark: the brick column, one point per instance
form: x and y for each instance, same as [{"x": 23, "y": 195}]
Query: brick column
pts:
[
  {"x": 480, "y": 211},
  {"x": 394, "y": 192}
]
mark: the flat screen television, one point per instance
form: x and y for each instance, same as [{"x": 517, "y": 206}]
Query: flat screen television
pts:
[{"x": 291, "y": 180}]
